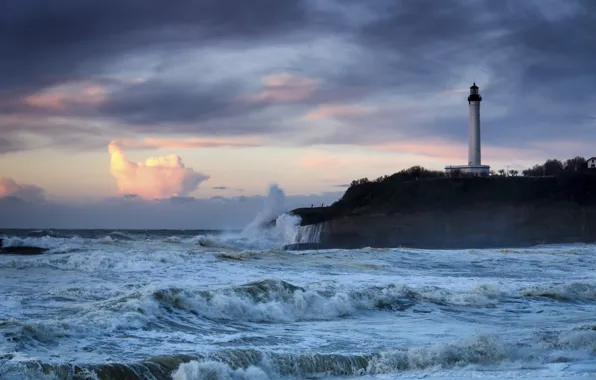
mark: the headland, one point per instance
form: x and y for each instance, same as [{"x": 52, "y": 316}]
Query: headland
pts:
[{"x": 419, "y": 208}]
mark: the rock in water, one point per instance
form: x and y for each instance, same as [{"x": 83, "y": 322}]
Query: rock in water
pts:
[{"x": 22, "y": 250}]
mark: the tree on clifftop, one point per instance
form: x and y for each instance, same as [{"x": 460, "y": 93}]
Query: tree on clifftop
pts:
[
  {"x": 556, "y": 167},
  {"x": 575, "y": 164},
  {"x": 553, "y": 167}
]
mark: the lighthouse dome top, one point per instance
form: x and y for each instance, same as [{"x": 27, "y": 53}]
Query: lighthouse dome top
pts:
[{"x": 474, "y": 94}]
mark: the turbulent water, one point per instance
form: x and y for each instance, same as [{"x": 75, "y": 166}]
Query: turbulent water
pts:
[{"x": 200, "y": 305}]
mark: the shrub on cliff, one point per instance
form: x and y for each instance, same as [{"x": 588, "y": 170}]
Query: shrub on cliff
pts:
[
  {"x": 451, "y": 193},
  {"x": 417, "y": 187},
  {"x": 556, "y": 167}
]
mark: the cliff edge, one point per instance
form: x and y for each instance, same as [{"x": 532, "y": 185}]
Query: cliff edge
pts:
[{"x": 457, "y": 213}]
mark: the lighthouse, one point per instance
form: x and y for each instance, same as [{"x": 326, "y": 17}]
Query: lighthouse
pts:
[
  {"x": 474, "y": 126},
  {"x": 474, "y": 166}
]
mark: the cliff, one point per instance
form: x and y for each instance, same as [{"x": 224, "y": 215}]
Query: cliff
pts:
[{"x": 449, "y": 213}]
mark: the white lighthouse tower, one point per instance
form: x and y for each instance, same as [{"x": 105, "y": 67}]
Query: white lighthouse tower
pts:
[{"x": 474, "y": 165}]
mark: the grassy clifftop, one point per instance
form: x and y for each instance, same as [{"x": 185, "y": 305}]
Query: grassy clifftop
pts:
[{"x": 410, "y": 193}]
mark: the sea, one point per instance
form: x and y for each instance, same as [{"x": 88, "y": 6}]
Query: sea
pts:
[{"x": 189, "y": 305}]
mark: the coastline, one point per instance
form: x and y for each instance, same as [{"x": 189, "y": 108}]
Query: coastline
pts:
[{"x": 456, "y": 213}]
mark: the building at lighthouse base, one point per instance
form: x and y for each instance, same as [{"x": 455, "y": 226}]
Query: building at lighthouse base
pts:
[{"x": 475, "y": 170}]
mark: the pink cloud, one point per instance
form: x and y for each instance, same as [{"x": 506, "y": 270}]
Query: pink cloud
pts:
[
  {"x": 316, "y": 161},
  {"x": 446, "y": 151},
  {"x": 157, "y": 177},
  {"x": 191, "y": 143},
  {"x": 60, "y": 97},
  {"x": 325, "y": 111},
  {"x": 283, "y": 88},
  {"x": 9, "y": 187},
  {"x": 345, "y": 161}
]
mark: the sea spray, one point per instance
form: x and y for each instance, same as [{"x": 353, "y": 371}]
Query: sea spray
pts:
[
  {"x": 273, "y": 207},
  {"x": 271, "y": 228}
]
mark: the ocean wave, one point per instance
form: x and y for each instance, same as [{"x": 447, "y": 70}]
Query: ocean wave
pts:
[
  {"x": 477, "y": 352},
  {"x": 575, "y": 291},
  {"x": 172, "y": 239},
  {"x": 280, "y": 301},
  {"x": 123, "y": 236},
  {"x": 50, "y": 243},
  {"x": 268, "y": 301}
]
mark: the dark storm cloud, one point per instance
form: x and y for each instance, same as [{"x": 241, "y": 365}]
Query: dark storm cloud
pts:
[
  {"x": 537, "y": 56},
  {"x": 76, "y": 137},
  {"x": 9, "y": 145},
  {"x": 48, "y": 42},
  {"x": 156, "y": 103},
  {"x": 222, "y": 188}
]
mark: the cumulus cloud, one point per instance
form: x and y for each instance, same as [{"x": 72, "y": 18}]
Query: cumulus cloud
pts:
[
  {"x": 9, "y": 187},
  {"x": 157, "y": 177}
]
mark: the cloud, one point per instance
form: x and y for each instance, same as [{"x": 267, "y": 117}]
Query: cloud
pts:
[
  {"x": 9, "y": 145},
  {"x": 67, "y": 95},
  {"x": 30, "y": 193},
  {"x": 455, "y": 153},
  {"x": 337, "y": 110},
  {"x": 191, "y": 143},
  {"x": 136, "y": 213},
  {"x": 157, "y": 177},
  {"x": 73, "y": 40},
  {"x": 283, "y": 88},
  {"x": 29, "y": 131},
  {"x": 153, "y": 102},
  {"x": 227, "y": 188},
  {"x": 322, "y": 162},
  {"x": 295, "y": 72}
]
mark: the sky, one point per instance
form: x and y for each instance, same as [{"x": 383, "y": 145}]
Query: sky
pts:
[{"x": 109, "y": 103}]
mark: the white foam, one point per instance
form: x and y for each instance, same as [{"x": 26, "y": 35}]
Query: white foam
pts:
[
  {"x": 134, "y": 300},
  {"x": 310, "y": 234},
  {"x": 214, "y": 370},
  {"x": 260, "y": 233}
]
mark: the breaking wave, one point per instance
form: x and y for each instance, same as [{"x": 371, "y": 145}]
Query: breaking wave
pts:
[
  {"x": 476, "y": 352},
  {"x": 271, "y": 228},
  {"x": 267, "y": 301},
  {"x": 280, "y": 301},
  {"x": 563, "y": 292}
]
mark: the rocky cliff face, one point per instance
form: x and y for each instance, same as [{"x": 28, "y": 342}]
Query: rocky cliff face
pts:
[
  {"x": 491, "y": 226},
  {"x": 459, "y": 214}
]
